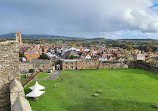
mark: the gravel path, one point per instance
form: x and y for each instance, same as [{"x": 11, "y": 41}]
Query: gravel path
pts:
[{"x": 53, "y": 76}]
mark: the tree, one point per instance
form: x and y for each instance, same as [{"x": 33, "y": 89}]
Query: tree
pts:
[
  {"x": 78, "y": 45},
  {"x": 154, "y": 47},
  {"x": 129, "y": 47},
  {"x": 31, "y": 71},
  {"x": 72, "y": 57},
  {"x": 21, "y": 55},
  {"x": 148, "y": 49},
  {"x": 44, "y": 56},
  {"x": 72, "y": 45}
]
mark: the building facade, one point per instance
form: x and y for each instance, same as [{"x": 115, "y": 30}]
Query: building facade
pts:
[{"x": 43, "y": 65}]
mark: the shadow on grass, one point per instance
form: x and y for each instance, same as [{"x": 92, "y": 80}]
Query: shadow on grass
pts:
[
  {"x": 150, "y": 74},
  {"x": 99, "y": 104},
  {"x": 142, "y": 72}
]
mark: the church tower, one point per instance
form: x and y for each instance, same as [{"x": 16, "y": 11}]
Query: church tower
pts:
[{"x": 18, "y": 38}]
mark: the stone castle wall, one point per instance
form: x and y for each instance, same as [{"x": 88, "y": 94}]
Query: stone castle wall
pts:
[
  {"x": 24, "y": 67},
  {"x": 17, "y": 97},
  {"x": 144, "y": 65},
  {"x": 9, "y": 70},
  {"x": 91, "y": 64},
  {"x": 45, "y": 65}
]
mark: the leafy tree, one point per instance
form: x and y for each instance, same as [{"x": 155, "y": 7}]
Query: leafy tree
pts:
[
  {"x": 72, "y": 57},
  {"x": 21, "y": 55},
  {"x": 148, "y": 49},
  {"x": 79, "y": 53},
  {"x": 154, "y": 47},
  {"x": 73, "y": 45},
  {"x": 78, "y": 45},
  {"x": 44, "y": 56},
  {"x": 129, "y": 47},
  {"x": 31, "y": 71}
]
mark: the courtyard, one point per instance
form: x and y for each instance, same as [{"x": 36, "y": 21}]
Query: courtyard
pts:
[{"x": 122, "y": 90}]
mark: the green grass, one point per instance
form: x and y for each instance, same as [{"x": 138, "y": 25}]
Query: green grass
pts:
[
  {"x": 59, "y": 41},
  {"x": 22, "y": 76},
  {"x": 41, "y": 76},
  {"x": 123, "y": 90}
]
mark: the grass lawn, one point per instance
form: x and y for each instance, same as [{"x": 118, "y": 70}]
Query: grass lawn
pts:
[
  {"x": 41, "y": 76},
  {"x": 123, "y": 90},
  {"x": 22, "y": 76}
]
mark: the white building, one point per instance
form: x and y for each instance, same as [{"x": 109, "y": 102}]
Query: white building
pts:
[{"x": 88, "y": 57}]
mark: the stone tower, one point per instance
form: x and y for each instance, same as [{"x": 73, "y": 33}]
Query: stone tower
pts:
[{"x": 18, "y": 38}]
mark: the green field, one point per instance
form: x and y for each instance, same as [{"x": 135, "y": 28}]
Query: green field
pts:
[
  {"x": 41, "y": 76},
  {"x": 22, "y": 76},
  {"x": 123, "y": 90}
]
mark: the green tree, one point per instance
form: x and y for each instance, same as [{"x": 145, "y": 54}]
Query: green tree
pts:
[
  {"x": 31, "y": 71},
  {"x": 72, "y": 57},
  {"x": 44, "y": 56},
  {"x": 21, "y": 55},
  {"x": 154, "y": 47},
  {"x": 129, "y": 47},
  {"x": 148, "y": 49}
]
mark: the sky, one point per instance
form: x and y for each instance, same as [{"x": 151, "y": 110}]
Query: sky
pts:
[{"x": 114, "y": 19}]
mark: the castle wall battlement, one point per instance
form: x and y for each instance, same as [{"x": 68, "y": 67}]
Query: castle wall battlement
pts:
[{"x": 9, "y": 70}]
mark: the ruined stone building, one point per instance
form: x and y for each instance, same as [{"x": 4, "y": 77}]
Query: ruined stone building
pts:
[
  {"x": 43, "y": 65},
  {"x": 9, "y": 69},
  {"x": 18, "y": 38},
  {"x": 90, "y": 64}
]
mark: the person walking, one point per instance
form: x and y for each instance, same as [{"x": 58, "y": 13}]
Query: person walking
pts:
[{"x": 55, "y": 85}]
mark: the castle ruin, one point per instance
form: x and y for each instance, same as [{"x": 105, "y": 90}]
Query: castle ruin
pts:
[
  {"x": 9, "y": 69},
  {"x": 11, "y": 90},
  {"x": 18, "y": 38}
]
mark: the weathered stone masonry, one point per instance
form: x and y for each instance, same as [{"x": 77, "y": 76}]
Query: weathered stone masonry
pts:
[
  {"x": 91, "y": 64},
  {"x": 45, "y": 65},
  {"x": 9, "y": 70},
  {"x": 143, "y": 65}
]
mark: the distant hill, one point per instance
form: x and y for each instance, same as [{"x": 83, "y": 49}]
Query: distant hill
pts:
[
  {"x": 12, "y": 35},
  {"x": 43, "y": 36}
]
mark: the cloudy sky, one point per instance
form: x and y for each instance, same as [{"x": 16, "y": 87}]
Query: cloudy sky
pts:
[{"x": 85, "y": 18}]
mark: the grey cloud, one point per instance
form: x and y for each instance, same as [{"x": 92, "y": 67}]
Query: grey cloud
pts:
[{"x": 50, "y": 16}]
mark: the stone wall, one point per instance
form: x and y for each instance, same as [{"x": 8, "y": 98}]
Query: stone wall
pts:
[
  {"x": 91, "y": 64},
  {"x": 45, "y": 65},
  {"x": 9, "y": 70},
  {"x": 87, "y": 64},
  {"x": 146, "y": 66},
  {"x": 143, "y": 65},
  {"x": 17, "y": 97},
  {"x": 25, "y": 66},
  {"x": 131, "y": 64}
]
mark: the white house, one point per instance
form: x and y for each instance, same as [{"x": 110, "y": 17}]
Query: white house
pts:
[
  {"x": 103, "y": 59},
  {"x": 64, "y": 50},
  {"x": 86, "y": 50},
  {"x": 88, "y": 57}
]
